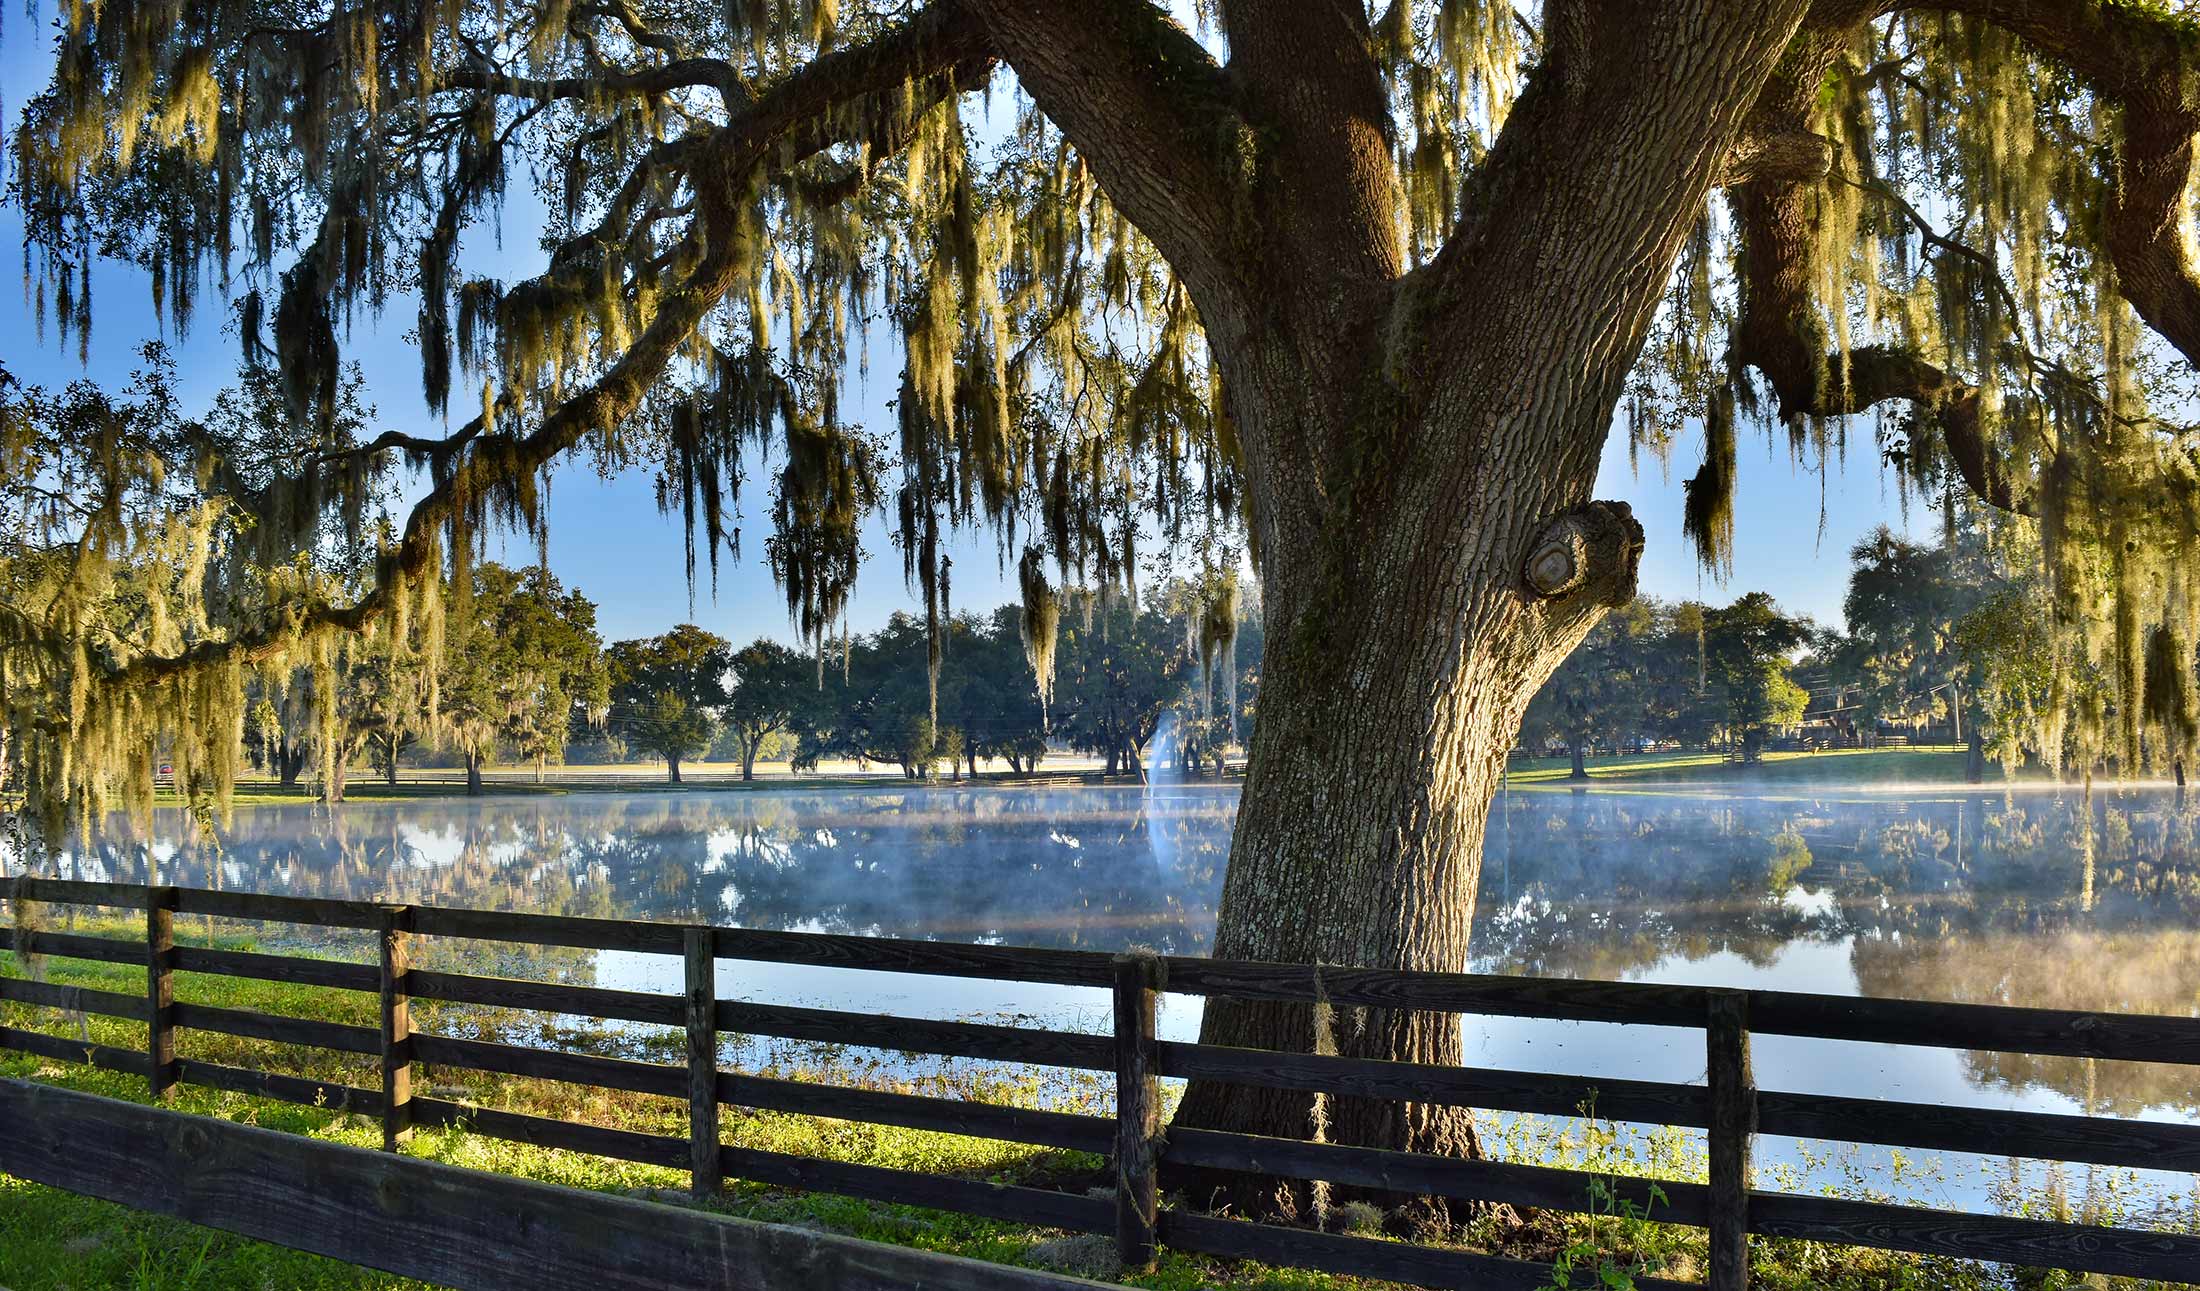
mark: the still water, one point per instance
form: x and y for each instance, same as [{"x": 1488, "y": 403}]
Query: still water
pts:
[{"x": 2031, "y": 897}]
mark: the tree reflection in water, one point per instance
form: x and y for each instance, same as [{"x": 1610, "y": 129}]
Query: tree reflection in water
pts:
[{"x": 1940, "y": 895}]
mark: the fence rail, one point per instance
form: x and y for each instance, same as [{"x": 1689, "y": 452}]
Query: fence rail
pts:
[{"x": 1728, "y": 1105}]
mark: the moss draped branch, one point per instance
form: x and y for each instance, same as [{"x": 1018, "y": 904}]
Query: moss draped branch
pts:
[{"x": 936, "y": 53}]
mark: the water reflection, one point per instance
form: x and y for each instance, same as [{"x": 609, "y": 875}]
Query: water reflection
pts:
[{"x": 1934, "y": 895}]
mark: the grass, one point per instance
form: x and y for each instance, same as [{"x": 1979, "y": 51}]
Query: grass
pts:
[
  {"x": 56, "y": 1241},
  {"x": 622, "y": 778},
  {"x": 1832, "y": 767},
  {"x": 1846, "y": 767}
]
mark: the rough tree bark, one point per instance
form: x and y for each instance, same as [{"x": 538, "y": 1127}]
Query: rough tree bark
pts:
[
  {"x": 1419, "y": 446},
  {"x": 290, "y": 762}
]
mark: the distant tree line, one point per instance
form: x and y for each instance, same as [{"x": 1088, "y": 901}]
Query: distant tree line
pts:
[
  {"x": 526, "y": 676},
  {"x": 1681, "y": 673},
  {"x": 1942, "y": 636},
  {"x": 1118, "y": 669}
]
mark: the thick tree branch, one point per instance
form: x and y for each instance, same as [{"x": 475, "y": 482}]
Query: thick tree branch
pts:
[
  {"x": 641, "y": 83},
  {"x": 1574, "y": 221},
  {"x": 1307, "y": 80},
  {"x": 937, "y": 52},
  {"x": 1151, "y": 113},
  {"x": 2147, "y": 62},
  {"x": 1765, "y": 153}
]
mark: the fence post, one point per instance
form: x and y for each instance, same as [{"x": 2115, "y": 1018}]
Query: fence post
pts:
[
  {"x": 396, "y": 945},
  {"x": 1733, "y": 1127},
  {"x": 160, "y": 992},
  {"x": 1137, "y": 1109},
  {"x": 706, "y": 1174}
]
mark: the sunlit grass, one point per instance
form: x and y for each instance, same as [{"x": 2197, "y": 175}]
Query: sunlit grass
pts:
[{"x": 1846, "y": 767}]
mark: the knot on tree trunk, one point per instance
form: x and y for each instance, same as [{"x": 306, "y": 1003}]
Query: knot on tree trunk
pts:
[{"x": 1591, "y": 551}]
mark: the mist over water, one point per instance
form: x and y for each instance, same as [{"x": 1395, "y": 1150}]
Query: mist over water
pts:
[{"x": 1938, "y": 894}]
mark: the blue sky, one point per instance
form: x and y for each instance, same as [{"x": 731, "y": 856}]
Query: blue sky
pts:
[{"x": 607, "y": 538}]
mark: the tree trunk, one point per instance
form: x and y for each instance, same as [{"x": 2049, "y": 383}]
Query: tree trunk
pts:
[
  {"x": 389, "y": 766},
  {"x": 672, "y": 768},
  {"x": 473, "y": 775},
  {"x": 748, "y": 759},
  {"x": 1581, "y": 766},
  {"x": 290, "y": 761},
  {"x": 1390, "y": 700},
  {"x": 1974, "y": 758},
  {"x": 1419, "y": 444}
]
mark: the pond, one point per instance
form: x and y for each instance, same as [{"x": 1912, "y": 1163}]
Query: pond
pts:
[{"x": 2030, "y": 897}]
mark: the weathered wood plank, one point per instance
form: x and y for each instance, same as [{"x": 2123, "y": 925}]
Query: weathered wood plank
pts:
[
  {"x": 319, "y": 912},
  {"x": 2064, "y": 1033},
  {"x": 1543, "y": 1187},
  {"x": 548, "y": 997},
  {"x": 705, "y": 1176},
  {"x": 1541, "y": 997},
  {"x": 282, "y": 1030},
  {"x": 438, "y": 1223},
  {"x": 1070, "y": 1130},
  {"x": 545, "y": 1132},
  {"x": 550, "y": 1064},
  {"x": 914, "y": 1035},
  {"x": 129, "y": 896},
  {"x": 549, "y": 930},
  {"x": 160, "y": 992},
  {"x": 394, "y": 940},
  {"x": 75, "y": 945},
  {"x": 1137, "y": 1110},
  {"x": 1647, "y": 1102},
  {"x": 287, "y": 1089},
  {"x": 2047, "y": 1136},
  {"x": 2035, "y": 1243},
  {"x": 60, "y": 1049},
  {"x": 932, "y": 958},
  {"x": 278, "y": 968},
  {"x": 1733, "y": 1130},
  {"x": 1074, "y": 1211},
  {"x": 1365, "y": 1257},
  {"x": 74, "y": 999}
]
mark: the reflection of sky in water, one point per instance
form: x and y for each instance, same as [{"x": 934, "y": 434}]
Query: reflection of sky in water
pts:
[{"x": 1930, "y": 893}]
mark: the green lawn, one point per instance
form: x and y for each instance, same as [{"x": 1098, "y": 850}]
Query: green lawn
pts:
[{"x": 1934, "y": 766}]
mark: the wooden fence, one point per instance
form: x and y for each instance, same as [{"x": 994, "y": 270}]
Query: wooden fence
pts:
[
  {"x": 1728, "y": 1105},
  {"x": 453, "y": 1227}
]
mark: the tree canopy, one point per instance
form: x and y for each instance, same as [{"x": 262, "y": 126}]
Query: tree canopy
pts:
[
  {"x": 668, "y": 691},
  {"x": 1963, "y": 219},
  {"x": 1354, "y": 288}
]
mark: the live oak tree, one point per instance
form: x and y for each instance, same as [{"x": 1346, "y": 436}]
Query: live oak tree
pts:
[
  {"x": 1370, "y": 284},
  {"x": 1121, "y": 668},
  {"x": 764, "y": 697},
  {"x": 1600, "y": 691},
  {"x": 523, "y": 663},
  {"x": 1747, "y": 645},
  {"x": 667, "y": 692}
]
